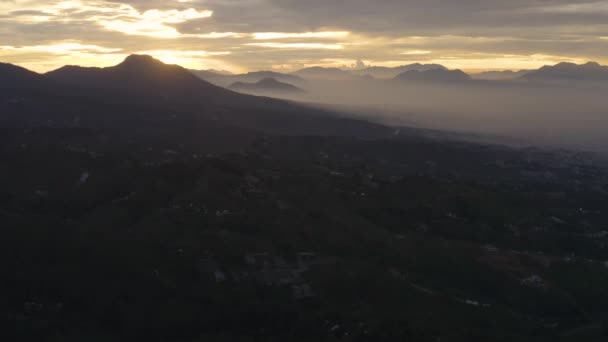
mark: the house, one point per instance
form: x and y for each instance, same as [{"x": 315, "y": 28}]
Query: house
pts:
[
  {"x": 534, "y": 281},
  {"x": 222, "y": 213},
  {"x": 270, "y": 270},
  {"x": 598, "y": 235},
  {"x": 219, "y": 276},
  {"x": 83, "y": 178},
  {"x": 211, "y": 268},
  {"x": 490, "y": 249},
  {"x": 258, "y": 260},
  {"x": 305, "y": 259},
  {"x": 302, "y": 291}
]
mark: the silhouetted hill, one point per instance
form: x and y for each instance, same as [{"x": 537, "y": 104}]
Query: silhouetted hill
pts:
[
  {"x": 591, "y": 71},
  {"x": 12, "y": 76},
  {"x": 434, "y": 75},
  {"x": 138, "y": 74},
  {"x": 143, "y": 87},
  {"x": 266, "y": 85}
]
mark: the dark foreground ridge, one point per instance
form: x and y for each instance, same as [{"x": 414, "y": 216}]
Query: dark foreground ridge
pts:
[{"x": 140, "y": 203}]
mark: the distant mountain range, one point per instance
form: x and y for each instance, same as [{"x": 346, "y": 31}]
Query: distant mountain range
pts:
[
  {"x": 591, "y": 71},
  {"x": 224, "y": 80},
  {"x": 319, "y": 73},
  {"x": 434, "y": 75},
  {"x": 500, "y": 75},
  {"x": 388, "y": 73},
  {"x": 324, "y": 73},
  {"x": 415, "y": 72},
  {"x": 266, "y": 85}
]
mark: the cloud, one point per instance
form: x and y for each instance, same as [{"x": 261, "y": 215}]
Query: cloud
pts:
[
  {"x": 415, "y": 52},
  {"x": 51, "y": 56},
  {"x": 110, "y": 16},
  {"x": 576, "y": 8},
  {"x": 298, "y": 46},
  {"x": 61, "y": 48},
  {"x": 153, "y": 23},
  {"x": 262, "y": 33},
  {"x": 283, "y": 35},
  {"x": 192, "y": 59}
]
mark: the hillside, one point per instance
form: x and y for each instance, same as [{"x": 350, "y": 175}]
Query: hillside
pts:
[
  {"x": 148, "y": 83},
  {"x": 141, "y": 203}
]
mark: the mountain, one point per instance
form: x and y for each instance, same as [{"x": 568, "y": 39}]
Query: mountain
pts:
[
  {"x": 387, "y": 72},
  {"x": 324, "y": 73},
  {"x": 142, "y": 88},
  {"x": 138, "y": 74},
  {"x": 591, "y": 71},
  {"x": 500, "y": 75},
  {"x": 186, "y": 212},
  {"x": 266, "y": 85},
  {"x": 434, "y": 75}
]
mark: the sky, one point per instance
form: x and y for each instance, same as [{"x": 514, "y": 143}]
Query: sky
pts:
[{"x": 286, "y": 35}]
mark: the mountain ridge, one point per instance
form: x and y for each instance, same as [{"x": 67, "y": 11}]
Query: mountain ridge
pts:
[
  {"x": 16, "y": 76},
  {"x": 266, "y": 85},
  {"x": 145, "y": 84},
  {"x": 590, "y": 71},
  {"x": 323, "y": 73},
  {"x": 434, "y": 75},
  {"x": 391, "y": 72}
]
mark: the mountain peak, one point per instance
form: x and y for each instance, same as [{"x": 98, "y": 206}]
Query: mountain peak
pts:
[
  {"x": 593, "y": 64},
  {"x": 563, "y": 64},
  {"x": 137, "y": 74},
  {"x": 138, "y": 59},
  {"x": 141, "y": 61}
]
